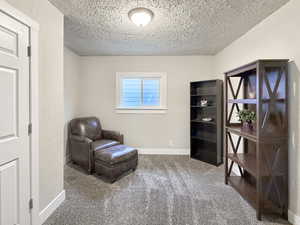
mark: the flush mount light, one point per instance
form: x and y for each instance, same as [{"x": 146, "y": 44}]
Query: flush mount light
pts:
[{"x": 140, "y": 16}]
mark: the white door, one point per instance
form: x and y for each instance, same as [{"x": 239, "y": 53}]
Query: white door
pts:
[{"x": 14, "y": 120}]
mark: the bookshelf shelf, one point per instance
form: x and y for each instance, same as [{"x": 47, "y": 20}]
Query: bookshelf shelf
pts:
[
  {"x": 248, "y": 162},
  {"x": 238, "y": 130},
  {"x": 203, "y": 107},
  {"x": 203, "y": 122},
  {"x": 242, "y": 101}
]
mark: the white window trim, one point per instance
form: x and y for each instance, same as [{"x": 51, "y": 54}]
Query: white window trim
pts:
[{"x": 148, "y": 109}]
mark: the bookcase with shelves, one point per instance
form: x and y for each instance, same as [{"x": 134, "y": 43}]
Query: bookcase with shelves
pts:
[
  {"x": 261, "y": 153},
  {"x": 206, "y": 121}
]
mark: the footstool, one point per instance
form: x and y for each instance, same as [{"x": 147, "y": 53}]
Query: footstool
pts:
[{"x": 114, "y": 161}]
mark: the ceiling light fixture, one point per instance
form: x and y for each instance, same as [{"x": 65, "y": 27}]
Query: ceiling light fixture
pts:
[{"x": 141, "y": 16}]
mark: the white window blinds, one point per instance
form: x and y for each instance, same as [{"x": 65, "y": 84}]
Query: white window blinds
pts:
[{"x": 140, "y": 92}]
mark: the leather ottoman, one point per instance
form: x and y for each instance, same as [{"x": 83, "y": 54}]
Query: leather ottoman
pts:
[{"x": 115, "y": 161}]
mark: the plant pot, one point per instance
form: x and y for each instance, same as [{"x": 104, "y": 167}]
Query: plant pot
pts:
[{"x": 246, "y": 126}]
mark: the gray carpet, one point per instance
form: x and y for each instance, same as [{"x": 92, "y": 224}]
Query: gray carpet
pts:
[{"x": 164, "y": 190}]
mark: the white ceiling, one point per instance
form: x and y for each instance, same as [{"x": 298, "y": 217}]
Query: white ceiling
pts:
[{"x": 180, "y": 27}]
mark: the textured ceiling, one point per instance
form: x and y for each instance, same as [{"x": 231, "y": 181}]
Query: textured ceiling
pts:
[{"x": 180, "y": 27}]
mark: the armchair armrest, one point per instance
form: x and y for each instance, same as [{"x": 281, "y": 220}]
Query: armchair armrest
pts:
[
  {"x": 81, "y": 151},
  {"x": 113, "y": 135}
]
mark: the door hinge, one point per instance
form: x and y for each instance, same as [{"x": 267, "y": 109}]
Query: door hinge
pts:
[
  {"x": 30, "y": 129},
  {"x": 29, "y": 51},
  {"x": 31, "y": 203}
]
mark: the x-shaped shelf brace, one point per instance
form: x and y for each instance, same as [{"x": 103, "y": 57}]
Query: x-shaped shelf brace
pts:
[
  {"x": 235, "y": 150},
  {"x": 235, "y": 95},
  {"x": 273, "y": 97},
  {"x": 271, "y": 167}
]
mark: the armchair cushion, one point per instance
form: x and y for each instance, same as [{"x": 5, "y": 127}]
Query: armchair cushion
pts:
[{"x": 103, "y": 143}]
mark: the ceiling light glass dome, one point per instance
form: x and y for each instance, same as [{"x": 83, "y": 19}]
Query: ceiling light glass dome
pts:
[{"x": 141, "y": 16}]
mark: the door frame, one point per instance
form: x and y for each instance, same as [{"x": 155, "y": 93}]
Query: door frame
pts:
[{"x": 34, "y": 103}]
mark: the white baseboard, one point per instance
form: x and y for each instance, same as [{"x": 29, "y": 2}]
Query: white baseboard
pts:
[
  {"x": 163, "y": 151},
  {"x": 293, "y": 218},
  {"x": 52, "y": 206}
]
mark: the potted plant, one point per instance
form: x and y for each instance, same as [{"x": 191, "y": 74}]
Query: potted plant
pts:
[{"x": 247, "y": 118}]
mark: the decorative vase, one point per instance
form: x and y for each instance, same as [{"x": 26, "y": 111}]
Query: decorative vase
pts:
[
  {"x": 247, "y": 126},
  {"x": 203, "y": 102}
]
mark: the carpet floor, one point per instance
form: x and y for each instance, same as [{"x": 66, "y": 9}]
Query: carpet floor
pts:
[{"x": 164, "y": 190}]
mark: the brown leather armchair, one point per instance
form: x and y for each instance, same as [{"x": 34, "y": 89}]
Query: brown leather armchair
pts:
[{"x": 86, "y": 136}]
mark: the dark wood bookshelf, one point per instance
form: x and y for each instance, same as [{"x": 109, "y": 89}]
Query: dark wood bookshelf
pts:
[
  {"x": 260, "y": 154},
  {"x": 207, "y": 136}
]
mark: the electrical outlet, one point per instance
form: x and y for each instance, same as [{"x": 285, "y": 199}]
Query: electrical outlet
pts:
[
  {"x": 294, "y": 88},
  {"x": 171, "y": 144}
]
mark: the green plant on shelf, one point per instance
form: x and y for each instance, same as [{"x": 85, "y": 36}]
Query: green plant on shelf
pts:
[{"x": 246, "y": 116}]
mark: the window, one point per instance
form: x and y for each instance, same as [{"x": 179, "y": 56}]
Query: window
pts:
[{"x": 141, "y": 91}]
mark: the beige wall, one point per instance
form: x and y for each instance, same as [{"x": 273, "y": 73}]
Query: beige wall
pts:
[
  {"x": 276, "y": 37},
  {"x": 71, "y": 87},
  {"x": 51, "y": 94},
  {"x": 97, "y": 97}
]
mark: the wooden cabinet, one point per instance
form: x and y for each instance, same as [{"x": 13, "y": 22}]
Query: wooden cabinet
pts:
[
  {"x": 261, "y": 153},
  {"x": 207, "y": 135}
]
